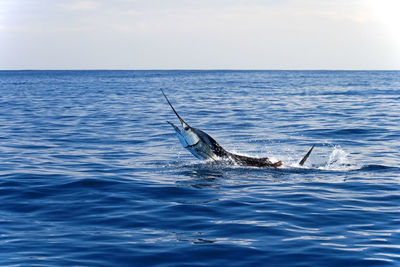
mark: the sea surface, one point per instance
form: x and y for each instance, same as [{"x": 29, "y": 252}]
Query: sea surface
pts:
[{"x": 92, "y": 175}]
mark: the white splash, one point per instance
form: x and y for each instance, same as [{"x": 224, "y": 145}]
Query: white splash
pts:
[{"x": 339, "y": 160}]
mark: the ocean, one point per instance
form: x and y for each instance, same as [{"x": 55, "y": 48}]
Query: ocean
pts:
[{"x": 92, "y": 175}]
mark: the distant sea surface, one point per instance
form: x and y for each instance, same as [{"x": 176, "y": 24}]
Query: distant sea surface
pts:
[{"x": 92, "y": 175}]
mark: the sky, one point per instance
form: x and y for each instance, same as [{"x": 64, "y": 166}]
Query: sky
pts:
[{"x": 200, "y": 34}]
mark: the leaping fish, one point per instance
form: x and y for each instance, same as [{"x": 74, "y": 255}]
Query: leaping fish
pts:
[{"x": 203, "y": 146}]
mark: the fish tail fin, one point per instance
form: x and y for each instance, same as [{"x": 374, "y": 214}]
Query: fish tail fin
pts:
[{"x": 303, "y": 160}]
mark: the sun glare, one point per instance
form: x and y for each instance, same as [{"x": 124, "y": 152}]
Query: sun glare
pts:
[{"x": 386, "y": 13}]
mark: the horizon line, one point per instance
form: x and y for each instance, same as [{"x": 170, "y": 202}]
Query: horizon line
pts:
[{"x": 192, "y": 69}]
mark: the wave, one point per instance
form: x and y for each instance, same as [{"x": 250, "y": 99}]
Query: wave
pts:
[{"x": 377, "y": 167}]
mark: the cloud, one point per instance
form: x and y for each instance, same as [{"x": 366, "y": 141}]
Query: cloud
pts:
[
  {"x": 200, "y": 34},
  {"x": 81, "y": 5}
]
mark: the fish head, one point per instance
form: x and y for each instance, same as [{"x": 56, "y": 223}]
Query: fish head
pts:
[
  {"x": 190, "y": 136},
  {"x": 200, "y": 144},
  {"x": 187, "y": 136}
]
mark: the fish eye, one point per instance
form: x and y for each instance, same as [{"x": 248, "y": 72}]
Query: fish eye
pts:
[{"x": 186, "y": 128}]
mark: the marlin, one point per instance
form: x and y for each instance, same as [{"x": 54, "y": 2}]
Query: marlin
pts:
[{"x": 204, "y": 147}]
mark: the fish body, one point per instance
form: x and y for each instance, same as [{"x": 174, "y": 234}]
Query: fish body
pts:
[{"x": 204, "y": 147}]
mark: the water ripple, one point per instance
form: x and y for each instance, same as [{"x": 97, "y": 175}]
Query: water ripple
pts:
[{"x": 92, "y": 175}]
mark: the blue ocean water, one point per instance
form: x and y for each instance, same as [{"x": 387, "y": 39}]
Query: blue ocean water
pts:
[{"x": 92, "y": 175}]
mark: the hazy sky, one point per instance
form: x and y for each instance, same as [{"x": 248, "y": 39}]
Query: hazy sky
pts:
[{"x": 200, "y": 34}]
